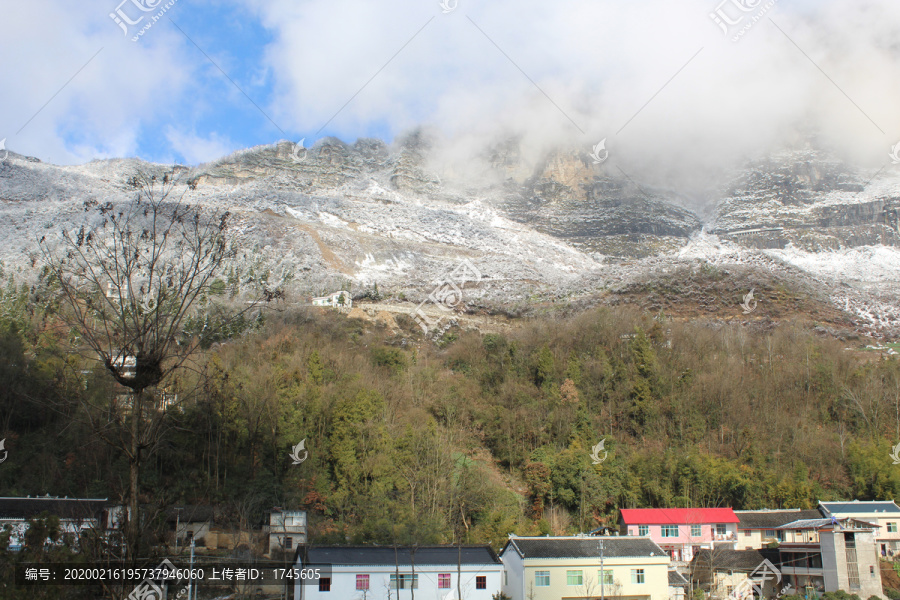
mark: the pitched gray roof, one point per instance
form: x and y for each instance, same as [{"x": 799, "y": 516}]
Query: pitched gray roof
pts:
[
  {"x": 64, "y": 508},
  {"x": 385, "y": 555},
  {"x": 771, "y": 519},
  {"x": 858, "y": 507},
  {"x": 576, "y": 547},
  {"x": 190, "y": 513},
  {"x": 676, "y": 579},
  {"x": 845, "y": 523},
  {"x": 728, "y": 560}
]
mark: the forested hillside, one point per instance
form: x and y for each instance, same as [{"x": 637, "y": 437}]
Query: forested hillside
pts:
[{"x": 481, "y": 435}]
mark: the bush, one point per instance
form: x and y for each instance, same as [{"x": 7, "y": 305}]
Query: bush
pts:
[
  {"x": 892, "y": 593},
  {"x": 392, "y": 358}
]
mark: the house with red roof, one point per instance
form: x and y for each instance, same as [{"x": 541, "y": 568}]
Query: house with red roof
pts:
[{"x": 682, "y": 532}]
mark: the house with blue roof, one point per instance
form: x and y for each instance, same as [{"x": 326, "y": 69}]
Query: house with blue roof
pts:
[{"x": 883, "y": 513}]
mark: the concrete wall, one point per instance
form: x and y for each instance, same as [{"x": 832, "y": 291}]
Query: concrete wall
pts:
[
  {"x": 834, "y": 561},
  {"x": 655, "y": 586},
  {"x": 343, "y": 583}
]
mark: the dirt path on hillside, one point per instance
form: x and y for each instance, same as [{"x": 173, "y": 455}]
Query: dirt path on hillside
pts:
[{"x": 483, "y": 323}]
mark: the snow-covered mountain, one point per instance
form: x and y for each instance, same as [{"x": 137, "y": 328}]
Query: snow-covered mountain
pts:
[{"x": 561, "y": 228}]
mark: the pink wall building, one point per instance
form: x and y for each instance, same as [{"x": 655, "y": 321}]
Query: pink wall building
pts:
[{"x": 681, "y": 532}]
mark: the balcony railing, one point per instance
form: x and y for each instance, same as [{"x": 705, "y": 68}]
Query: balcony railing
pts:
[
  {"x": 284, "y": 529},
  {"x": 724, "y": 537}
]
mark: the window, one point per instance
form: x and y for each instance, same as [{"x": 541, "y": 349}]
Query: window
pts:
[
  {"x": 670, "y": 530},
  {"x": 444, "y": 581},
  {"x": 542, "y": 578},
  {"x": 481, "y": 582},
  {"x": 871, "y": 570},
  {"x": 325, "y": 584},
  {"x": 288, "y": 542},
  {"x": 770, "y": 533},
  {"x": 574, "y": 578},
  {"x": 637, "y": 576},
  {"x": 720, "y": 529},
  {"x": 505, "y": 577},
  {"x": 643, "y": 529},
  {"x": 362, "y": 582},
  {"x": 746, "y": 533},
  {"x": 407, "y": 581},
  {"x": 892, "y": 527},
  {"x": 696, "y": 531},
  {"x": 729, "y": 589},
  {"x": 605, "y": 576}
]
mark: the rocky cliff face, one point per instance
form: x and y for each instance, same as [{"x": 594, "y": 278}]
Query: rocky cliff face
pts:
[
  {"x": 595, "y": 211},
  {"x": 809, "y": 200},
  {"x": 339, "y": 216}
]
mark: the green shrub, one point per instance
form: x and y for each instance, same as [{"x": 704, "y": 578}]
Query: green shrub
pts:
[{"x": 392, "y": 358}]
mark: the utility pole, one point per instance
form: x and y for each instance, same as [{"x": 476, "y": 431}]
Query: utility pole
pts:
[
  {"x": 177, "y": 522},
  {"x": 190, "y": 579},
  {"x": 602, "y": 573}
]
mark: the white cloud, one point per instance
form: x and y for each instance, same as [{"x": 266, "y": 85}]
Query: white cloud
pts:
[
  {"x": 99, "y": 112},
  {"x": 196, "y": 149},
  {"x": 601, "y": 62}
]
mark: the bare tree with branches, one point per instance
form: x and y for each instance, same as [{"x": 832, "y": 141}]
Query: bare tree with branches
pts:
[{"x": 130, "y": 278}]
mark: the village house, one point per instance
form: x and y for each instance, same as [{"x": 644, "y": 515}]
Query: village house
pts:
[
  {"x": 380, "y": 573},
  {"x": 585, "y": 567},
  {"x": 681, "y": 532},
  {"x": 759, "y": 528},
  {"x": 678, "y": 585},
  {"x": 340, "y": 299},
  {"x": 814, "y": 556},
  {"x": 885, "y": 514},
  {"x": 76, "y": 516},
  {"x": 723, "y": 572},
  {"x": 191, "y": 522},
  {"x": 286, "y": 530}
]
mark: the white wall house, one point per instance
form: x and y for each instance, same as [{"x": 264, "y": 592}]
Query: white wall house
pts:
[
  {"x": 76, "y": 515},
  {"x": 286, "y": 529},
  {"x": 371, "y": 573},
  {"x": 339, "y": 299},
  {"x": 759, "y": 528},
  {"x": 885, "y": 514},
  {"x": 554, "y": 568}
]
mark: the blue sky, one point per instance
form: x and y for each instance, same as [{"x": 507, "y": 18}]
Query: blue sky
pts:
[{"x": 650, "y": 76}]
